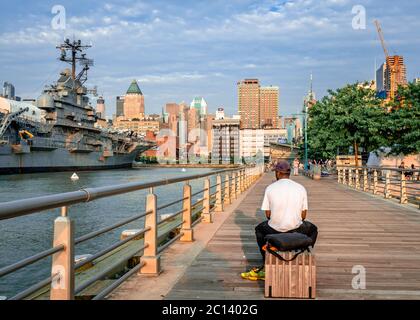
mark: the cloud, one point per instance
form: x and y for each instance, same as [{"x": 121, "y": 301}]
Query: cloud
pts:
[{"x": 185, "y": 47}]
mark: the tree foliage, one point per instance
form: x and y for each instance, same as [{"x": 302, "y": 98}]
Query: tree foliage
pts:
[
  {"x": 353, "y": 116},
  {"x": 349, "y": 116},
  {"x": 402, "y": 127}
]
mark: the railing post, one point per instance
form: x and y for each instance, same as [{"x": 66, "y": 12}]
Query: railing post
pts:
[
  {"x": 387, "y": 185},
  {"x": 150, "y": 254},
  {"x": 403, "y": 195},
  {"x": 338, "y": 175},
  {"x": 219, "y": 203},
  {"x": 207, "y": 215},
  {"x": 238, "y": 183},
  {"x": 186, "y": 227},
  {"x": 62, "y": 286},
  {"x": 357, "y": 180},
  {"x": 233, "y": 187},
  {"x": 365, "y": 180},
  {"x": 242, "y": 180},
  {"x": 226, "y": 200},
  {"x": 375, "y": 181},
  {"x": 345, "y": 176},
  {"x": 350, "y": 177}
]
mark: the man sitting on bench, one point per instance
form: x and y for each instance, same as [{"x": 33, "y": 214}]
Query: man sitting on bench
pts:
[{"x": 285, "y": 204}]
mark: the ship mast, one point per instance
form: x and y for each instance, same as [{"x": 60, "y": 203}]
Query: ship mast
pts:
[{"x": 76, "y": 49}]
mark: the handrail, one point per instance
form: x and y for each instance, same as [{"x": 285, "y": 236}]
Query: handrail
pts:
[
  {"x": 110, "y": 248},
  {"x": 379, "y": 168},
  {"x": 171, "y": 216},
  {"x": 16, "y": 208},
  {"x": 397, "y": 183},
  {"x": 64, "y": 244},
  {"x": 32, "y": 289},
  {"x": 109, "y": 228},
  {"x": 118, "y": 282},
  {"x": 27, "y": 261}
]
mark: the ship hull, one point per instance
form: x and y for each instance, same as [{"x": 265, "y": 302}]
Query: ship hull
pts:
[{"x": 62, "y": 160}]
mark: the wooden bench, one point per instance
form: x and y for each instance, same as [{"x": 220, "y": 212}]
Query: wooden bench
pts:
[{"x": 294, "y": 279}]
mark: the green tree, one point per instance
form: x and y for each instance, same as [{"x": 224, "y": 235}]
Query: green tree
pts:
[
  {"x": 349, "y": 116},
  {"x": 402, "y": 128}
]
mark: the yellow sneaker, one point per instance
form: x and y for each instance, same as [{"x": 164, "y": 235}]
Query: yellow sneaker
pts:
[{"x": 254, "y": 274}]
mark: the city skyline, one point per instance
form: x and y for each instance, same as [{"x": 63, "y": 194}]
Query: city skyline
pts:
[{"x": 181, "y": 50}]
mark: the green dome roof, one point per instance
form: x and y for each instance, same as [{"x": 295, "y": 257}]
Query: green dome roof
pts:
[{"x": 134, "y": 88}]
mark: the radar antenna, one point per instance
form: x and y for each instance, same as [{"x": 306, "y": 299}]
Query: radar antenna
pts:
[{"x": 76, "y": 48}]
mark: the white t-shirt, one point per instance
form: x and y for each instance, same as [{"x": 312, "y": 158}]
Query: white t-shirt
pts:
[{"x": 286, "y": 199}]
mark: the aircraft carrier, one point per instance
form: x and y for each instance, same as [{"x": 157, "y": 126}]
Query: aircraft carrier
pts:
[{"x": 59, "y": 132}]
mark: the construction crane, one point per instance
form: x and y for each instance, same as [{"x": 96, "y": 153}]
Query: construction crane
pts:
[
  {"x": 381, "y": 37},
  {"x": 389, "y": 64}
]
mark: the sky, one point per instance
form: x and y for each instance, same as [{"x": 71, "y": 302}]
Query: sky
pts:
[{"x": 181, "y": 49}]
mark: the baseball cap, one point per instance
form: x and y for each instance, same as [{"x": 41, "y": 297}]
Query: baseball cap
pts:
[{"x": 282, "y": 166}]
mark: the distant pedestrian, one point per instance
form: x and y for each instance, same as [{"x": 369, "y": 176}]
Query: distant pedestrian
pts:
[{"x": 296, "y": 167}]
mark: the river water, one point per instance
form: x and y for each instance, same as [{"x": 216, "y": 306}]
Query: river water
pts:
[{"x": 24, "y": 236}]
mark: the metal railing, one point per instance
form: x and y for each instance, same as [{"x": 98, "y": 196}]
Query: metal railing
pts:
[
  {"x": 401, "y": 184},
  {"x": 149, "y": 242}
]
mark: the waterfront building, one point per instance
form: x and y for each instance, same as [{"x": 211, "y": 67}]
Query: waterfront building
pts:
[
  {"x": 226, "y": 141},
  {"x": 257, "y": 106},
  {"x": 274, "y": 135},
  {"x": 134, "y": 102},
  {"x": 138, "y": 126},
  {"x": 251, "y": 145}
]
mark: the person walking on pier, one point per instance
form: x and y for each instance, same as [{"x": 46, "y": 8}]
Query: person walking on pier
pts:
[
  {"x": 296, "y": 167},
  {"x": 285, "y": 204}
]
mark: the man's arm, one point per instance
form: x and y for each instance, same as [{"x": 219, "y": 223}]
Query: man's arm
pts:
[
  {"x": 266, "y": 205},
  {"x": 304, "y": 206}
]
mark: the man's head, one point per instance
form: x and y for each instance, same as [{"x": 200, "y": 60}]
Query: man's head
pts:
[{"x": 282, "y": 169}]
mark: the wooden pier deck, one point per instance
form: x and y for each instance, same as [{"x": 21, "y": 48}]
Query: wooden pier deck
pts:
[{"x": 355, "y": 228}]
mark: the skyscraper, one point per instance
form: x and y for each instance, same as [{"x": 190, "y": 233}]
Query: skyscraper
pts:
[
  {"x": 395, "y": 74},
  {"x": 200, "y": 105},
  {"x": 8, "y": 91},
  {"x": 269, "y": 107},
  {"x": 119, "y": 106},
  {"x": 258, "y": 106},
  {"x": 134, "y": 102},
  {"x": 380, "y": 78},
  {"x": 249, "y": 102}
]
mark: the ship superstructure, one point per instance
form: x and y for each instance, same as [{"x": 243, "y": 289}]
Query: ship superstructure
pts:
[{"x": 58, "y": 131}]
